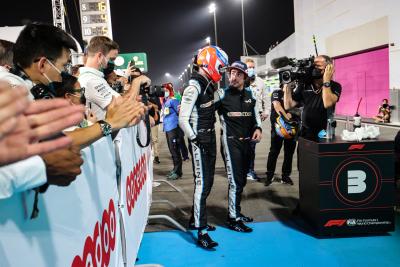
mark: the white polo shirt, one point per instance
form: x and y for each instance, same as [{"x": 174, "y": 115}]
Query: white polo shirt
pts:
[
  {"x": 97, "y": 91},
  {"x": 25, "y": 174},
  {"x": 260, "y": 92},
  {"x": 14, "y": 80}
]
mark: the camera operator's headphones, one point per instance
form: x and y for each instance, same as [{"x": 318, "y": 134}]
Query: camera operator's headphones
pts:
[{"x": 286, "y": 129}]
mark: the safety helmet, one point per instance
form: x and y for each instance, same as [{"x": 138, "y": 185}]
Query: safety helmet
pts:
[
  {"x": 286, "y": 129},
  {"x": 213, "y": 61}
]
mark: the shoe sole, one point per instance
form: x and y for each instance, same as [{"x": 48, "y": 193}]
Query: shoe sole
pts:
[
  {"x": 210, "y": 228},
  {"x": 240, "y": 231},
  {"x": 207, "y": 247}
]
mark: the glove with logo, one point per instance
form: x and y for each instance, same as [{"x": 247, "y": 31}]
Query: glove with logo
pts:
[{"x": 197, "y": 143}]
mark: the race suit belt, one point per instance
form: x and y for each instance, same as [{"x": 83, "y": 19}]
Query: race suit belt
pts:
[
  {"x": 206, "y": 130},
  {"x": 239, "y": 138}
]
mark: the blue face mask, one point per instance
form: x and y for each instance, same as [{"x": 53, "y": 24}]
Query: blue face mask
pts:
[
  {"x": 166, "y": 94},
  {"x": 251, "y": 72}
]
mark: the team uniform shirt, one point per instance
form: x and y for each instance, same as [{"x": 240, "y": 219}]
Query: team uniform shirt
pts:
[
  {"x": 15, "y": 80},
  {"x": 197, "y": 120},
  {"x": 25, "y": 174},
  {"x": 197, "y": 116},
  {"x": 260, "y": 93},
  {"x": 239, "y": 115},
  {"x": 21, "y": 176},
  {"x": 277, "y": 95},
  {"x": 314, "y": 115},
  {"x": 97, "y": 91},
  {"x": 170, "y": 114}
]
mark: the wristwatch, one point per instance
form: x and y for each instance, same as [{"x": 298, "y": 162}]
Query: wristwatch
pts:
[
  {"x": 327, "y": 84},
  {"x": 106, "y": 128}
]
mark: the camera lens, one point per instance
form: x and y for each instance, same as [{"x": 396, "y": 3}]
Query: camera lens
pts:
[{"x": 286, "y": 77}]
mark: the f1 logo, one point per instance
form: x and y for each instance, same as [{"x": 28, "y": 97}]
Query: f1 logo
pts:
[
  {"x": 356, "y": 182},
  {"x": 331, "y": 223}
]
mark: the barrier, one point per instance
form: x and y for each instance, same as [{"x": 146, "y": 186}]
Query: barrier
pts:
[{"x": 79, "y": 225}]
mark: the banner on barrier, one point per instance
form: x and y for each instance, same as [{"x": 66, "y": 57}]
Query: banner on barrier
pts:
[
  {"x": 136, "y": 177},
  {"x": 78, "y": 225}
]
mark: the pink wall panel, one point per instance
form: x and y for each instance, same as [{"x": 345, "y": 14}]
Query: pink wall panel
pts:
[{"x": 363, "y": 75}]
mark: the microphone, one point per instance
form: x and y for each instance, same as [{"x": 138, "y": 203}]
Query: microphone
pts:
[{"x": 280, "y": 62}]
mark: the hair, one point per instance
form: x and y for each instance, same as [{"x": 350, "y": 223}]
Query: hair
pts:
[
  {"x": 75, "y": 69},
  {"x": 385, "y": 99},
  {"x": 41, "y": 40},
  {"x": 101, "y": 44},
  {"x": 328, "y": 59},
  {"x": 249, "y": 60},
  {"x": 170, "y": 88},
  {"x": 68, "y": 86},
  {"x": 6, "y": 53},
  {"x": 136, "y": 69}
]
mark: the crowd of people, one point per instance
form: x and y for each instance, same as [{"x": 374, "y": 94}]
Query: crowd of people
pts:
[{"x": 50, "y": 110}]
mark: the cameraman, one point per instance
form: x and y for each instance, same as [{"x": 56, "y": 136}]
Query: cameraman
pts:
[{"x": 318, "y": 98}]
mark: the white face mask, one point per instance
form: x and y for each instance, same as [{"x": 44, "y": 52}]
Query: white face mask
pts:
[
  {"x": 166, "y": 94},
  {"x": 251, "y": 72}
]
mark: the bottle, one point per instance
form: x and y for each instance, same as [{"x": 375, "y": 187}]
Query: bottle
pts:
[
  {"x": 357, "y": 121},
  {"x": 347, "y": 126},
  {"x": 329, "y": 129}
]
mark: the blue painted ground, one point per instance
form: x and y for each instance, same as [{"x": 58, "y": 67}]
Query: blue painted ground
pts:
[{"x": 270, "y": 244}]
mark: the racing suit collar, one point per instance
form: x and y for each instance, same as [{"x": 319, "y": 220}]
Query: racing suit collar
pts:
[{"x": 203, "y": 81}]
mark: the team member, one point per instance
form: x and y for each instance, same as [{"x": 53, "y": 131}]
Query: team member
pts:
[
  {"x": 241, "y": 124},
  {"x": 281, "y": 136},
  {"x": 197, "y": 119},
  {"x": 259, "y": 90},
  {"x": 101, "y": 53}
]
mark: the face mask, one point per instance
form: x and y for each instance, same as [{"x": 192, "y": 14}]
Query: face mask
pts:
[
  {"x": 251, "y": 72},
  {"x": 109, "y": 68},
  {"x": 166, "y": 94},
  {"x": 316, "y": 74},
  {"x": 54, "y": 86}
]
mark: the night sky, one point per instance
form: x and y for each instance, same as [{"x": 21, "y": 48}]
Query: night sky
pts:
[{"x": 170, "y": 31}]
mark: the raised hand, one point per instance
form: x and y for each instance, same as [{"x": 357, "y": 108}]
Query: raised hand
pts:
[{"x": 42, "y": 119}]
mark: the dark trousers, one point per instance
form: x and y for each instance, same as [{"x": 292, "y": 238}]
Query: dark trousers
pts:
[
  {"x": 237, "y": 158},
  {"x": 173, "y": 140},
  {"x": 182, "y": 145},
  {"x": 252, "y": 155},
  {"x": 203, "y": 163},
  {"x": 275, "y": 149}
]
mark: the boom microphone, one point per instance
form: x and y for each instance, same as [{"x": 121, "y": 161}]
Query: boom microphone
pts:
[{"x": 280, "y": 62}]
